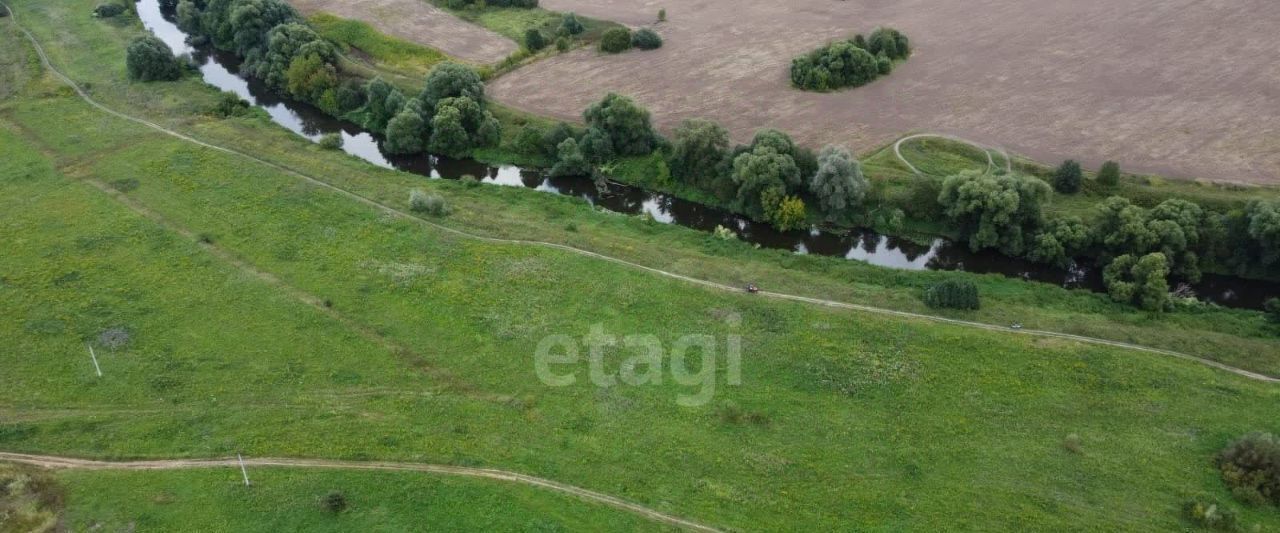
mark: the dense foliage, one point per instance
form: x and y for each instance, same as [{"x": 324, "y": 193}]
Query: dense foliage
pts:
[
  {"x": 700, "y": 153},
  {"x": 615, "y": 40},
  {"x": 1109, "y": 174},
  {"x": 838, "y": 184},
  {"x": 625, "y": 122},
  {"x": 646, "y": 39},
  {"x": 1068, "y": 177},
  {"x": 851, "y": 62},
  {"x": 1000, "y": 212},
  {"x": 952, "y": 294},
  {"x": 1251, "y": 468},
  {"x": 149, "y": 59},
  {"x": 1139, "y": 280}
]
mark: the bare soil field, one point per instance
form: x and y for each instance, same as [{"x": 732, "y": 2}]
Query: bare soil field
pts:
[
  {"x": 1185, "y": 88},
  {"x": 420, "y": 22}
]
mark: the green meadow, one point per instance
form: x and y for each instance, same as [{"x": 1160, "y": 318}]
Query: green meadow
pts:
[{"x": 270, "y": 316}]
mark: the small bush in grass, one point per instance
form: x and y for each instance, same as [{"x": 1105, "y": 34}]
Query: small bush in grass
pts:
[
  {"x": 1209, "y": 514},
  {"x": 646, "y": 39},
  {"x": 1250, "y": 467},
  {"x": 1072, "y": 443},
  {"x": 150, "y": 59},
  {"x": 205, "y": 238},
  {"x": 725, "y": 234},
  {"x": 1067, "y": 178},
  {"x": 331, "y": 141},
  {"x": 615, "y": 40},
  {"x": 662, "y": 15},
  {"x": 570, "y": 25},
  {"x": 107, "y": 11},
  {"x": 533, "y": 40},
  {"x": 1272, "y": 308},
  {"x": 1109, "y": 174},
  {"x": 431, "y": 204},
  {"x": 571, "y": 227},
  {"x": 952, "y": 294},
  {"x": 230, "y": 105},
  {"x": 470, "y": 181},
  {"x": 562, "y": 44},
  {"x": 334, "y": 502}
]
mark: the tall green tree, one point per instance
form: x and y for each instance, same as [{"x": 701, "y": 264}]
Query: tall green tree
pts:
[
  {"x": 1142, "y": 280},
  {"x": 1068, "y": 177},
  {"x": 407, "y": 132},
  {"x": 758, "y": 172},
  {"x": 1003, "y": 212},
  {"x": 838, "y": 184},
  {"x": 451, "y": 80},
  {"x": 627, "y": 124},
  {"x": 569, "y": 160},
  {"x": 699, "y": 153},
  {"x": 149, "y": 59}
]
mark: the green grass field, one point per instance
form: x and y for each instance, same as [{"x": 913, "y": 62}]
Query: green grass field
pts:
[
  {"x": 358, "y": 38},
  {"x": 844, "y": 420}
]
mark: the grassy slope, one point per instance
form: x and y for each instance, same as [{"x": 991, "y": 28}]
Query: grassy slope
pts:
[
  {"x": 288, "y": 500},
  {"x": 399, "y": 55},
  {"x": 1239, "y": 337},
  {"x": 945, "y": 426}
]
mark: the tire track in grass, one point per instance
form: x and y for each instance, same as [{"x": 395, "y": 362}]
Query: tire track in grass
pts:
[
  {"x": 44, "y": 59},
  {"x": 72, "y": 463}
]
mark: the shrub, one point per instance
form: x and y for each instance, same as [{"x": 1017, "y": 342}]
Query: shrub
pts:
[
  {"x": 1142, "y": 281},
  {"x": 952, "y": 294},
  {"x": 1109, "y": 174},
  {"x": 570, "y": 25},
  {"x": 230, "y": 105},
  {"x": 615, "y": 40},
  {"x": 552, "y": 138},
  {"x": 1209, "y": 514},
  {"x": 528, "y": 140},
  {"x": 890, "y": 42},
  {"x": 562, "y": 44},
  {"x": 836, "y": 65},
  {"x": 646, "y": 39},
  {"x": 1068, "y": 177},
  {"x": 789, "y": 214},
  {"x": 533, "y": 40},
  {"x": 431, "y": 204},
  {"x": 334, "y": 502},
  {"x": 469, "y": 181},
  {"x": 107, "y": 11},
  {"x": 1072, "y": 443},
  {"x": 331, "y": 141},
  {"x": 1272, "y": 308},
  {"x": 149, "y": 59},
  {"x": 1250, "y": 467},
  {"x": 761, "y": 178},
  {"x": 662, "y": 15}
]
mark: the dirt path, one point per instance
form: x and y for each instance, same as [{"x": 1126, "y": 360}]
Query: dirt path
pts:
[
  {"x": 991, "y": 163},
  {"x": 705, "y": 283},
  {"x": 420, "y": 22},
  {"x": 55, "y": 462}
]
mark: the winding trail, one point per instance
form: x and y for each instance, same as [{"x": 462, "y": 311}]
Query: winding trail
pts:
[
  {"x": 991, "y": 163},
  {"x": 44, "y": 59},
  {"x": 57, "y": 462}
]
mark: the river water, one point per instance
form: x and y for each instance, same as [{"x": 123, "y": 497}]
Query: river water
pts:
[{"x": 220, "y": 69}]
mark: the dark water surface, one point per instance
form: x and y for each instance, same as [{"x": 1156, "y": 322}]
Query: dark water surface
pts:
[{"x": 221, "y": 70}]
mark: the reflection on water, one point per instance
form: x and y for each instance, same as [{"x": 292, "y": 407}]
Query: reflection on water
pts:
[{"x": 221, "y": 70}]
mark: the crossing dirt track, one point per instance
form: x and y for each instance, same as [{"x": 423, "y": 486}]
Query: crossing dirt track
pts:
[{"x": 1183, "y": 88}]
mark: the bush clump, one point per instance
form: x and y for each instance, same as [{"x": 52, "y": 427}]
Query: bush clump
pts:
[
  {"x": 615, "y": 40},
  {"x": 952, "y": 294},
  {"x": 331, "y": 141},
  {"x": 431, "y": 204},
  {"x": 1209, "y": 514},
  {"x": 1250, "y": 467},
  {"x": 646, "y": 39},
  {"x": 851, "y": 62},
  {"x": 106, "y": 11},
  {"x": 149, "y": 59},
  {"x": 334, "y": 502}
]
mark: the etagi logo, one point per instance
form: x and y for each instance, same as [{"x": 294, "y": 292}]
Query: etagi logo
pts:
[{"x": 692, "y": 360}]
